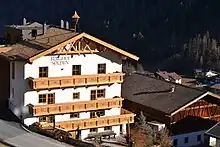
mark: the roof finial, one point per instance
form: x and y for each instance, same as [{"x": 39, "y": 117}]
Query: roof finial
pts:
[
  {"x": 75, "y": 20},
  {"x": 75, "y": 15}
]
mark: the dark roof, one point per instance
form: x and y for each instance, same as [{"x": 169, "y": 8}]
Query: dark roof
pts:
[
  {"x": 156, "y": 94},
  {"x": 216, "y": 86},
  {"x": 167, "y": 75},
  {"x": 214, "y": 131},
  {"x": 26, "y": 49},
  {"x": 185, "y": 125}
]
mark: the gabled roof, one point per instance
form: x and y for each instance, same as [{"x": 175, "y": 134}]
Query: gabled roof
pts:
[
  {"x": 50, "y": 41},
  {"x": 214, "y": 131},
  {"x": 156, "y": 94},
  {"x": 81, "y": 35},
  {"x": 185, "y": 125}
]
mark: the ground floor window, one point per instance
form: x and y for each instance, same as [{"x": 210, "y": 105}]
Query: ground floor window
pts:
[
  {"x": 93, "y": 130},
  {"x": 48, "y": 119},
  {"x": 108, "y": 128}
]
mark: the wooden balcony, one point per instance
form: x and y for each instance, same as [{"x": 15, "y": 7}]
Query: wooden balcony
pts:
[
  {"x": 72, "y": 107},
  {"x": 124, "y": 118},
  {"x": 75, "y": 81}
]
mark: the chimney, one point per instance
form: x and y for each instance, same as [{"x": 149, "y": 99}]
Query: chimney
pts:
[
  {"x": 172, "y": 89},
  {"x": 62, "y": 24},
  {"x": 44, "y": 28},
  {"x": 24, "y": 21},
  {"x": 67, "y": 25}
]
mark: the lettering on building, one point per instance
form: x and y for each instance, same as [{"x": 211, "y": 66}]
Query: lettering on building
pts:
[{"x": 60, "y": 60}]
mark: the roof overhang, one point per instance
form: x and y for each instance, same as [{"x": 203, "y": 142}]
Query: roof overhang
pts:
[
  {"x": 111, "y": 47},
  {"x": 212, "y": 135},
  {"x": 195, "y": 100}
]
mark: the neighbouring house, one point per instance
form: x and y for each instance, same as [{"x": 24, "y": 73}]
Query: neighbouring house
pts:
[
  {"x": 215, "y": 88},
  {"x": 214, "y": 135},
  {"x": 190, "y": 131},
  {"x": 68, "y": 80},
  {"x": 27, "y": 30},
  {"x": 169, "y": 76},
  {"x": 167, "y": 102}
]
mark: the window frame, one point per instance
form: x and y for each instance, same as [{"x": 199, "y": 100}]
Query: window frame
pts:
[
  {"x": 47, "y": 119},
  {"x": 95, "y": 94},
  {"x": 72, "y": 115},
  {"x": 43, "y": 72},
  {"x": 92, "y": 114},
  {"x": 199, "y": 138},
  {"x": 93, "y": 130},
  {"x": 48, "y": 100},
  {"x": 100, "y": 113},
  {"x": 76, "y": 69},
  {"x": 186, "y": 140},
  {"x": 101, "y": 68},
  {"x": 76, "y": 94},
  {"x": 108, "y": 128},
  {"x": 33, "y": 32}
]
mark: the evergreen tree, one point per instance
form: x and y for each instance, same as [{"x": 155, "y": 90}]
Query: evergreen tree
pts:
[{"x": 201, "y": 61}]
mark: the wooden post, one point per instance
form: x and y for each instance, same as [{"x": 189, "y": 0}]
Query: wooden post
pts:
[{"x": 54, "y": 124}]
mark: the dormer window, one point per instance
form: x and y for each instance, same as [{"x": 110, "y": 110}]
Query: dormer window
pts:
[{"x": 34, "y": 33}]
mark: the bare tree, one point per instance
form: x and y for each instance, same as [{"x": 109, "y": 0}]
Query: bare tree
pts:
[{"x": 144, "y": 135}]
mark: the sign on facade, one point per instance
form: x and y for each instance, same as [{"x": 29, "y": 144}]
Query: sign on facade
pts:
[{"x": 60, "y": 60}]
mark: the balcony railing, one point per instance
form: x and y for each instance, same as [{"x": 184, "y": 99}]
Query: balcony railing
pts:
[
  {"x": 62, "y": 108},
  {"x": 124, "y": 118},
  {"x": 74, "y": 81}
]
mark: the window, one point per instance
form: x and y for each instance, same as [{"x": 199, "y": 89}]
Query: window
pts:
[
  {"x": 42, "y": 98},
  {"x": 175, "y": 142},
  {"x": 100, "y": 113},
  {"x": 93, "y": 94},
  {"x": 108, "y": 128},
  {"x": 47, "y": 98},
  {"x": 186, "y": 139},
  {"x": 199, "y": 138},
  {"x": 51, "y": 98},
  {"x": 48, "y": 119},
  {"x": 43, "y": 71},
  {"x": 13, "y": 70},
  {"x": 76, "y": 95},
  {"x": 94, "y": 130},
  {"x": 76, "y": 70},
  {"x": 95, "y": 114},
  {"x": 92, "y": 115},
  {"x": 34, "y": 33},
  {"x": 101, "y": 68},
  {"x": 100, "y": 93},
  {"x": 74, "y": 115},
  {"x": 42, "y": 119}
]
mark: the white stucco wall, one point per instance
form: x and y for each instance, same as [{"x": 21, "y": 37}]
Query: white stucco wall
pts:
[
  {"x": 66, "y": 95},
  {"x": 89, "y": 64},
  {"x": 192, "y": 139}
]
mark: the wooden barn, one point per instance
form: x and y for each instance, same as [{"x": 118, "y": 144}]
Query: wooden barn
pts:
[{"x": 167, "y": 102}]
